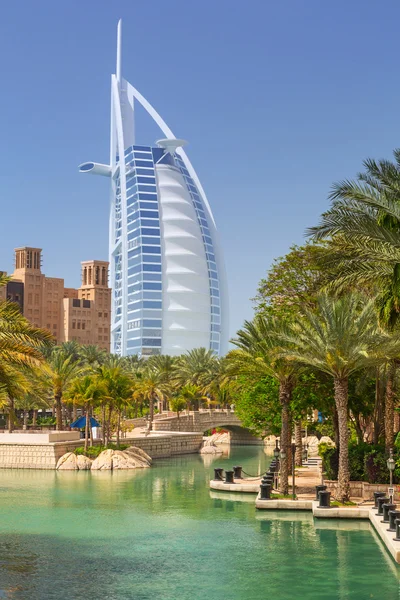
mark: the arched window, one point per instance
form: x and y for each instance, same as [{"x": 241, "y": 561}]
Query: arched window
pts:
[
  {"x": 97, "y": 280},
  {"x": 85, "y": 276}
]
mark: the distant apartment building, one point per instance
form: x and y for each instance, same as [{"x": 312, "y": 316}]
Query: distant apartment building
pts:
[{"x": 82, "y": 314}]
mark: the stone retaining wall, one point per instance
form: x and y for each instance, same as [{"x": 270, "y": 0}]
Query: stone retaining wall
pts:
[
  {"x": 34, "y": 456},
  {"x": 168, "y": 445},
  {"x": 362, "y": 489},
  {"x": 46, "y": 455}
]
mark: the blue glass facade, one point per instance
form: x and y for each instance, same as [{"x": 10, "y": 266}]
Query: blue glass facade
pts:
[{"x": 144, "y": 298}]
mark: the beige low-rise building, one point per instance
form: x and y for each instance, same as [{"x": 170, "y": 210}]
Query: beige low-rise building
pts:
[{"x": 81, "y": 314}]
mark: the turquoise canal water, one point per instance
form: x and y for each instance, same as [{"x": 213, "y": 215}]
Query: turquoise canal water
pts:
[{"x": 161, "y": 534}]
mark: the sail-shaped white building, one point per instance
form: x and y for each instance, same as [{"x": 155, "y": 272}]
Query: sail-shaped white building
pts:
[{"x": 169, "y": 292}]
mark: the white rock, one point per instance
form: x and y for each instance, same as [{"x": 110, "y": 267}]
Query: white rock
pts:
[
  {"x": 140, "y": 454},
  {"x": 67, "y": 462},
  {"x": 73, "y": 462},
  {"x": 103, "y": 462},
  {"x": 83, "y": 462},
  {"x": 131, "y": 458},
  {"x": 211, "y": 450}
]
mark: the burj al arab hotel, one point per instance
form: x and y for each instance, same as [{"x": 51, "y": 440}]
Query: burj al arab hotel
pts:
[{"x": 169, "y": 292}]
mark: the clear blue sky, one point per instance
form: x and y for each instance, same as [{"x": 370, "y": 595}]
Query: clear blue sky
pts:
[{"x": 277, "y": 100}]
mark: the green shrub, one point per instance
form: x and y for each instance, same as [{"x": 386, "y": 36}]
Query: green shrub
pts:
[
  {"x": 366, "y": 463},
  {"x": 46, "y": 421},
  {"x": 330, "y": 463},
  {"x": 376, "y": 470},
  {"x": 357, "y": 454},
  {"x": 94, "y": 451}
]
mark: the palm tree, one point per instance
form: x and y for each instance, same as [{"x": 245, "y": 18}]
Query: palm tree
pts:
[
  {"x": 117, "y": 385},
  {"x": 164, "y": 366},
  {"x": 92, "y": 355},
  {"x": 363, "y": 229},
  {"x": 150, "y": 388},
  {"x": 22, "y": 348},
  {"x": 192, "y": 395},
  {"x": 197, "y": 367},
  {"x": 21, "y": 344},
  {"x": 257, "y": 357},
  {"x": 61, "y": 370},
  {"x": 88, "y": 391},
  {"x": 339, "y": 338}
]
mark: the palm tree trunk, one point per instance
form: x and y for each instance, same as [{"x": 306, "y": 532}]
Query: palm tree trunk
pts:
[
  {"x": 59, "y": 426},
  {"x": 118, "y": 426},
  {"x": 389, "y": 407},
  {"x": 109, "y": 425},
  {"x": 87, "y": 427},
  {"x": 25, "y": 423},
  {"x": 336, "y": 427},
  {"x": 151, "y": 412},
  {"x": 377, "y": 416},
  {"x": 103, "y": 424},
  {"x": 74, "y": 413},
  {"x": 284, "y": 399},
  {"x": 90, "y": 427},
  {"x": 341, "y": 400},
  {"x": 34, "y": 417},
  {"x": 11, "y": 415},
  {"x": 299, "y": 441}
]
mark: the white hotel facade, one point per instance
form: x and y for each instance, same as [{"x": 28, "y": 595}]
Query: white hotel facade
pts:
[{"x": 169, "y": 292}]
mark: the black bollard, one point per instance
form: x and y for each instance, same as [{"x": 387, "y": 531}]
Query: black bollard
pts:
[
  {"x": 265, "y": 491},
  {"x": 237, "y": 472},
  {"x": 318, "y": 489},
  {"x": 381, "y": 502},
  {"x": 324, "y": 499},
  {"x": 386, "y": 508},
  {"x": 268, "y": 479},
  {"x": 393, "y": 515},
  {"x": 218, "y": 474},
  {"x": 229, "y": 477},
  {"x": 397, "y": 525},
  {"x": 376, "y": 496}
]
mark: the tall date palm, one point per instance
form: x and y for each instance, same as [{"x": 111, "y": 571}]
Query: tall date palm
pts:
[
  {"x": 339, "y": 338},
  {"x": 257, "y": 356}
]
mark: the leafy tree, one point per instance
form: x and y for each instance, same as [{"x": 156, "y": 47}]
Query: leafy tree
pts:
[{"x": 291, "y": 283}]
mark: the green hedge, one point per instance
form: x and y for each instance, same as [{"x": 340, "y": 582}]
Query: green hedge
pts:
[
  {"x": 366, "y": 463},
  {"x": 94, "y": 451}
]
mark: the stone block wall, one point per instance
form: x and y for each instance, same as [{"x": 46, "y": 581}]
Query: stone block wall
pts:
[
  {"x": 363, "y": 489},
  {"x": 34, "y": 456},
  {"x": 166, "y": 446}
]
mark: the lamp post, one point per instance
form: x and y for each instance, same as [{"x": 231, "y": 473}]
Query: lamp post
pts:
[
  {"x": 293, "y": 472},
  {"x": 391, "y": 463},
  {"x": 276, "y": 449}
]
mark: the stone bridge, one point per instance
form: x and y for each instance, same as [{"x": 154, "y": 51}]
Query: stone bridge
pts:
[{"x": 203, "y": 420}]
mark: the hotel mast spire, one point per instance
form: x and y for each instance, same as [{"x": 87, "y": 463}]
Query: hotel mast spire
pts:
[{"x": 119, "y": 37}]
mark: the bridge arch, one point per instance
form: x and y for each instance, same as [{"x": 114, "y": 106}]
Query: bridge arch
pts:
[{"x": 202, "y": 421}]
